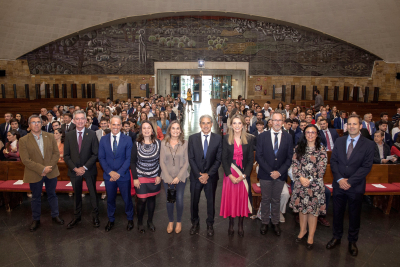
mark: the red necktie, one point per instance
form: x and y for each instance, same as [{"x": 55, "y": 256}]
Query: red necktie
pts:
[
  {"x": 80, "y": 141},
  {"x": 369, "y": 130},
  {"x": 328, "y": 142}
]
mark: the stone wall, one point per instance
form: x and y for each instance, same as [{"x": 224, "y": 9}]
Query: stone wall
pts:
[{"x": 383, "y": 76}]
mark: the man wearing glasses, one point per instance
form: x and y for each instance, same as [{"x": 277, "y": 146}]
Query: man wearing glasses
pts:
[{"x": 274, "y": 154}]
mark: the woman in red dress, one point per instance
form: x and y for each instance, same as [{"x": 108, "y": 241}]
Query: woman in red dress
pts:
[{"x": 237, "y": 161}]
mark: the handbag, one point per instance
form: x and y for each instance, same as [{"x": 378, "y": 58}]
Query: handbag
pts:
[{"x": 171, "y": 194}]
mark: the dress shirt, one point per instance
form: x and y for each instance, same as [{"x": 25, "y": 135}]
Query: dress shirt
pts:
[
  {"x": 330, "y": 139},
  {"x": 150, "y": 115},
  {"x": 39, "y": 142},
  {"x": 380, "y": 147},
  {"x": 203, "y": 138},
  {"x": 273, "y": 137},
  {"x": 287, "y": 112},
  {"x": 68, "y": 126},
  {"x": 77, "y": 139},
  {"x": 112, "y": 139}
]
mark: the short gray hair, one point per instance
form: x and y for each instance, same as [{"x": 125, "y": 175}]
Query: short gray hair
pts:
[
  {"x": 35, "y": 117},
  {"x": 116, "y": 117},
  {"x": 79, "y": 112},
  {"x": 205, "y": 116}
]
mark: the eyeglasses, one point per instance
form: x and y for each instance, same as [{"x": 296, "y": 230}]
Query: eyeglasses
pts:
[
  {"x": 311, "y": 133},
  {"x": 277, "y": 120},
  {"x": 36, "y": 122}
]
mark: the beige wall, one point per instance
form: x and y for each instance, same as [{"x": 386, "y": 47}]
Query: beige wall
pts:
[{"x": 383, "y": 76}]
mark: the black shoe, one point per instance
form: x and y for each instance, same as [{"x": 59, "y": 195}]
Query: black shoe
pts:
[
  {"x": 194, "y": 229},
  {"x": 58, "y": 220},
  {"x": 34, "y": 226},
  {"x": 353, "y": 249},
  {"x": 298, "y": 240},
  {"x": 130, "y": 225},
  {"x": 210, "y": 230},
  {"x": 264, "y": 229},
  {"x": 231, "y": 232},
  {"x": 73, "y": 223},
  {"x": 141, "y": 228},
  {"x": 96, "y": 222},
  {"x": 109, "y": 226},
  {"x": 333, "y": 243},
  {"x": 277, "y": 229},
  {"x": 151, "y": 226},
  {"x": 241, "y": 233},
  {"x": 309, "y": 246}
]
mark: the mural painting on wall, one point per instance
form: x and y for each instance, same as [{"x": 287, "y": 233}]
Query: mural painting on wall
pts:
[{"x": 132, "y": 48}]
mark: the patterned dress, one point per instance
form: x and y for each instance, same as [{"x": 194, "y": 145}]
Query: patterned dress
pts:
[
  {"x": 148, "y": 168},
  {"x": 309, "y": 200}
]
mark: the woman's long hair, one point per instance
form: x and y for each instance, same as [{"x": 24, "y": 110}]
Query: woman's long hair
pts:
[
  {"x": 140, "y": 137},
  {"x": 163, "y": 121},
  {"x": 167, "y": 136},
  {"x": 233, "y": 113},
  {"x": 62, "y": 135},
  {"x": 302, "y": 144},
  {"x": 243, "y": 136}
]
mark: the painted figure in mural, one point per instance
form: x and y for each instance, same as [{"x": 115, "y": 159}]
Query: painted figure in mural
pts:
[{"x": 142, "y": 47}]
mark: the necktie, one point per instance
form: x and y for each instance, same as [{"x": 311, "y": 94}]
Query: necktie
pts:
[
  {"x": 67, "y": 127},
  {"x": 205, "y": 146},
  {"x": 342, "y": 124},
  {"x": 350, "y": 149},
  {"x": 328, "y": 142},
  {"x": 7, "y": 125},
  {"x": 369, "y": 129},
  {"x": 276, "y": 144},
  {"x": 115, "y": 145},
  {"x": 80, "y": 141}
]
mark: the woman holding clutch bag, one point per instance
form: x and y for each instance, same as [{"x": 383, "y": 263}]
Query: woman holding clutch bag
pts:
[
  {"x": 308, "y": 169},
  {"x": 174, "y": 163},
  {"x": 237, "y": 161}
]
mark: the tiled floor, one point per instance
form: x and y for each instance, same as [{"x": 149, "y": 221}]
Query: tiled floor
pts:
[{"x": 54, "y": 245}]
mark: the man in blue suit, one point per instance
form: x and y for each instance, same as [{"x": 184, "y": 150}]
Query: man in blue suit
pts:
[
  {"x": 351, "y": 161},
  {"x": 368, "y": 124},
  {"x": 274, "y": 154},
  {"x": 339, "y": 122},
  {"x": 253, "y": 128},
  {"x": 328, "y": 136},
  {"x": 115, "y": 159},
  {"x": 297, "y": 136}
]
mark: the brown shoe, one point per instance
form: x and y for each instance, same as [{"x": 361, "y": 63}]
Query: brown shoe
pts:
[
  {"x": 170, "y": 227},
  {"x": 178, "y": 227},
  {"x": 324, "y": 221}
]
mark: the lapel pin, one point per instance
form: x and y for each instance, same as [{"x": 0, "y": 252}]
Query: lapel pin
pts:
[{"x": 87, "y": 134}]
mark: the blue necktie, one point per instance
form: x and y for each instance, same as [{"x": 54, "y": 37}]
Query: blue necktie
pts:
[
  {"x": 205, "y": 146},
  {"x": 115, "y": 145},
  {"x": 342, "y": 124},
  {"x": 276, "y": 144}
]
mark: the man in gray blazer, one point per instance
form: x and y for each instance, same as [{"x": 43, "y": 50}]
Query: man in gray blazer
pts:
[
  {"x": 80, "y": 154},
  {"x": 103, "y": 126}
]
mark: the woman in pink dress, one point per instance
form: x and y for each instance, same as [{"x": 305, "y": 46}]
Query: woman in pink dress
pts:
[{"x": 237, "y": 161}]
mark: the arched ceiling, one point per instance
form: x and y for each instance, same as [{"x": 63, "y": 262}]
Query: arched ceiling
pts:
[{"x": 370, "y": 24}]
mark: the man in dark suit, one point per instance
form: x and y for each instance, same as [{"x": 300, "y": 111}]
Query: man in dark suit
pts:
[
  {"x": 339, "y": 122},
  {"x": 351, "y": 161},
  {"x": 15, "y": 126},
  {"x": 274, "y": 155},
  {"x": 382, "y": 150},
  {"x": 297, "y": 136},
  {"x": 296, "y": 126},
  {"x": 382, "y": 126},
  {"x": 385, "y": 117},
  {"x": 80, "y": 154},
  {"x": 126, "y": 130},
  {"x": 5, "y": 127},
  {"x": 89, "y": 124},
  {"x": 171, "y": 114},
  {"x": 287, "y": 127},
  {"x": 46, "y": 126},
  {"x": 328, "y": 135},
  {"x": 95, "y": 121},
  {"x": 115, "y": 159},
  {"x": 253, "y": 127},
  {"x": 205, "y": 152},
  {"x": 68, "y": 125}
]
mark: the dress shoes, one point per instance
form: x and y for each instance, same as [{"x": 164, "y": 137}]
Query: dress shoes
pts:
[
  {"x": 309, "y": 246},
  {"x": 96, "y": 222},
  {"x": 210, "y": 230},
  {"x": 151, "y": 226},
  {"x": 194, "y": 229},
  {"x": 298, "y": 240},
  {"x": 109, "y": 226},
  {"x": 34, "y": 226},
  {"x": 241, "y": 233},
  {"x": 264, "y": 229},
  {"x": 73, "y": 223},
  {"x": 323, "y": 221},
  {"x": 130, "y": 225},
  {"x": 58, "y": 220},
  {"x": 333, "y": 243},
  {"x": 141, "y": 229},
  {"x": 353, "y": 249},
  {"x": 277, "y": 229}
]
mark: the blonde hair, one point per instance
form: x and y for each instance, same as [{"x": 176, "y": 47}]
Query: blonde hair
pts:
[
  {"x": 153, "y": 122},
  {"x": 243, "y": 135}
]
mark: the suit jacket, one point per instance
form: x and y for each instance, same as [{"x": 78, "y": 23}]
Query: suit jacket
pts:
[
  {"x": 356, "y": 168},
  {"x": 49, "y": 130},
  {"x": 131, "y": 135},
  {"x": 71, "y": 127},
  {"x": 198, "y": 163},
  {"x": 371, "y": 125},
  {"x": 388, "y": 140},
  {"x": 337, "y": 124},
  {"x": 267, "y": 160},
  {"x": 297, "y": 137},
  {"x": 3, "y": 132},
  {"x": 334, "y": 135},
  {"x": 95, "y": 122},
  {"x": 377, "y": 156},
  {"x": 93, "y": 127},
  {"x": 248, "y": 155},
  {"x": 173, "y": 116},
  {"x": 22, "y": 133},
  {"x": 99, "y": 134},
  {"x": 253, "y": 127},
  {"x": 88, "y": 155},
  {"x": 119, "y": 163},
  {"x": 33, "y": 160},
  {"x": 291, "y": 132}
]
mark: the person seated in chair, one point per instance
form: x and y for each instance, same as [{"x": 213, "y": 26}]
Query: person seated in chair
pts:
[{"x": 382, "y": 150}]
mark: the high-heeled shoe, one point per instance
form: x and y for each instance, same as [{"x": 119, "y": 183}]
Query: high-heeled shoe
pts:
[
  {"x": 151, "y": 226},
  {"x": 298, "y": 240},
  {"x": 309, "y": 246},
  {"x": 178, "y": 227},
  {"x": 240, "y": 227},
  {"x": 170, "y": 227}
]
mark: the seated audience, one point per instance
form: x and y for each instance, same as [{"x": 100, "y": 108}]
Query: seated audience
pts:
[
  {"x": 395, "y": 129},
  {"x": 382, "y": 126},
  {"x": 59, "y": 136},
  {"x": 11, "y": 149},
  {"x": 160, "y": 135},
  {"x": 163, "y": 122},
  {"x": 327, "y": 135},
  {"x": 15, "y": 126},
  {"x": 395, "y": 150},
  {"x": 339, "y": 122},
  {"x": 382, "y": 150}
]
